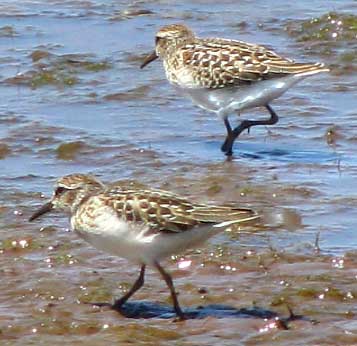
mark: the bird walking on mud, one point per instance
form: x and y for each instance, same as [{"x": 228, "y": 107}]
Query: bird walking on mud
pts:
[
  {"x": 141, "y": 225},
  {"x": 226, "y": 76}
]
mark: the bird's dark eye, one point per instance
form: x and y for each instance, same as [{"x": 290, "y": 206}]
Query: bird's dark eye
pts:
[
  {"x": 59, "y": 190},
  {"x": 157, "y": 39}
]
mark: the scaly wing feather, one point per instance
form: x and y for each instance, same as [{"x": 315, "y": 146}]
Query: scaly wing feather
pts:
[
  {"x": 165, "y": 211},
  {"x": 220, "y": 62}
]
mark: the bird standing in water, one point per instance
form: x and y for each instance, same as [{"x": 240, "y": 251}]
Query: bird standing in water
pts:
[
  {"x": 141, "y": 225},
  {"x": 226, "y": 76}
]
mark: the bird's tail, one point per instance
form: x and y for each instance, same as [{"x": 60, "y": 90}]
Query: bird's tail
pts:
[
  {"x": 298, "y": 69},
  {"x": 223, "y": 216}
]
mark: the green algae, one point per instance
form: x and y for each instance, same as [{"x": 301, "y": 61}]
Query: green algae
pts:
[
  {"x": 334, "y": 293},
  {"x": 96, "y": 66},
  {"x": 333, "y": 35},
  {"x": 52, "y": 77},
  {"x": 48, "y": 229},
  {"x": 64, "y": 259},
  {"x": 246, "y": 190},
  {"x": 278, "y": 300},
  {"x": 129, "y": 183},
  {"x": 4, "y": 150},
  {"x": 348, "y": 57},
  {"x": 7, "y": 31},
  {"x": 13, "y": 244},
  {"x": 7, "y": 244},
  {"x": 37, "y": 55},
  {"x": 133, "y": 332},
  {"x": 332, "y": 27},
  {"x": 68, "y": 151},
  {"x": 58, "y": 70},
  {"x": 130, "y": 13},
  {"x": 214, "y": 189},
  {"x": 96, "y": 294},
  {"x": 53, "y": 326},
  {"x": 136, "y": 93},
  {"x": 332, "y": 135},
  {"x": 79, "y": 63}
]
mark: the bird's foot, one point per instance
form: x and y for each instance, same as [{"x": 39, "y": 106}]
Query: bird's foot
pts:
[{"x": 227, "y": 147}]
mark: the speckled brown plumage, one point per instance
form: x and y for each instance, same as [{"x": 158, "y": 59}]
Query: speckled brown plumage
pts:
[
  {"x": 227, "y": 76},
  {"x": 142, "y": 225},
  {"x": 218, "y": 62},
  {"x": 162, "y": 211}
]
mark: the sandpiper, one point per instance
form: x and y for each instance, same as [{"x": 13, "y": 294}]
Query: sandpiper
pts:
[
  {"x": 141, "y": 225},
  {"x": 225, "y": 76}
]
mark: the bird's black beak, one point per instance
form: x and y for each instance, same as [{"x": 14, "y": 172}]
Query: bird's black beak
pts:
[
  {"x": 43, "y": 210},
  {"x": 151, "y": 57}
]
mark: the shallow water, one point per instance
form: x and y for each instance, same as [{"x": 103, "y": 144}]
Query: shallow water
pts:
[{"x": 94, "y": 110}]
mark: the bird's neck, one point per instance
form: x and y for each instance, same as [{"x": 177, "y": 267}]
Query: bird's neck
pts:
[
  {"x": 170, "y": 49},
  {"x": 82, "y": 196}
]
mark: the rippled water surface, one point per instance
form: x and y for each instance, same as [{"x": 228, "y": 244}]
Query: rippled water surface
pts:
[{"x": 73, "y": 99}]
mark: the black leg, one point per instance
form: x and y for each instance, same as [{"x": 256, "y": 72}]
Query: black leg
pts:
[
  {"x": 247, "y": 124},
  {"x": 137, "y": 285},
  {"x": 229, "y": 134},
  {"x": 170, "y": 284}
]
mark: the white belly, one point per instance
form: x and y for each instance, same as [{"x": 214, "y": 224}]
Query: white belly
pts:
[
  {"x": 152, "y": 249},
  {"x": 132, "y": 241},
  {"x": 224, "y": 101}
]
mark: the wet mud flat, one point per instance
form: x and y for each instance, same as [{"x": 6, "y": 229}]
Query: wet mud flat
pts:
[{"x": 74, "y": 100}]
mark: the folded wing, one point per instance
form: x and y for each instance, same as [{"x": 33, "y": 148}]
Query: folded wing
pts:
[
  {"x": 220, "y": 62},
  {"x": 164, "y": 211}
]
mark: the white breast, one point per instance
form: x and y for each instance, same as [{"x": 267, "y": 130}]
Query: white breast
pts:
[{"x": 107, "y": 232}]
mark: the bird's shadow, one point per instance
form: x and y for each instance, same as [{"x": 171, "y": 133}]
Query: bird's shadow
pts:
[
  {"x": 146, "y": 310},
  {"x": 291, "y": 154}
]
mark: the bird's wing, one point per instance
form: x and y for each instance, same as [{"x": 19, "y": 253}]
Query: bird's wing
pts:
[
  {"x": 220, "y": 62},
  {"x": 165, "y": 211}
]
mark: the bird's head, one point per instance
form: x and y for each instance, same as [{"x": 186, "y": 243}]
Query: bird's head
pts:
[
  {"x": 68, "y": 192},
  {"x": 167, "y": 39}
]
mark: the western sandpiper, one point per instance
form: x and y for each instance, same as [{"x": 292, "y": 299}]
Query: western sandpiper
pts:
[
  {"x": 141, "y": 225},
  {"x": 225, "y": 76}
]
